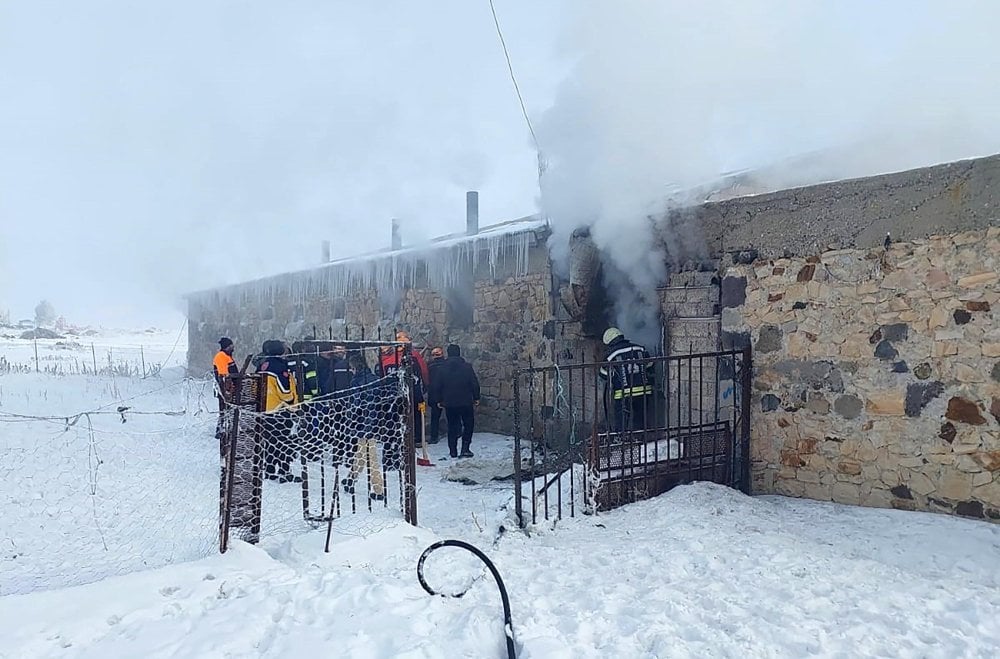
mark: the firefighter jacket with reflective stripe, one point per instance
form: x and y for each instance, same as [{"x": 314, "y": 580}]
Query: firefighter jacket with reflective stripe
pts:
[
  {"x": 627, "y": 380},
  {"x": 309, "y": 387},
  {"x": 279, "y": 384}
]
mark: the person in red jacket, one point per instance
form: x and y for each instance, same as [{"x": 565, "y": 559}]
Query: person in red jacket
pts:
[{"x": 389, "y": 364}]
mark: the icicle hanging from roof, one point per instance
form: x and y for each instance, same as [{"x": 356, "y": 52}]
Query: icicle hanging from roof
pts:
[{"x": 446, "y": 263}]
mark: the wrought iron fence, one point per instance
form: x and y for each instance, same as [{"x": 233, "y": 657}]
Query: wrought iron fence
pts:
[{"x": 581, "y": 446}]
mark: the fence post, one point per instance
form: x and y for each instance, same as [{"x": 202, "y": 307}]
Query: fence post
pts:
[
  {"x": 518, "y": 512},
  {"x": 229, "y": 464},
  {"x": 409, "y": 417},
  {"x": 142, "y": 356},
  {"x": 745, "y": 385},
  {"x": 36, "y": 352},
  {"x": 93, "y": 353}
]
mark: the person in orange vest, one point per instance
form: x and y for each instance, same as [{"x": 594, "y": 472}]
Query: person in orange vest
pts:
[
  {"x": 224, "y": 367},
  {"x": 223, "y": 363}
]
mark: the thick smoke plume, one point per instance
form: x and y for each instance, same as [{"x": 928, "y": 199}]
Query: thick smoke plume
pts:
[{"x": 667, "y": 96}]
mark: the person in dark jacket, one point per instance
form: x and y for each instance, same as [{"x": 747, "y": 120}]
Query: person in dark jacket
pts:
[
  {"x": 457, "y": 392},
  {"x": 335, "y": 381},
  {"x": 366, "y": 415},
  {"x": 305, "y": 365},
  {"x": 629, "y": 385},
  {"x": 437, "y": 361},
  {"x": 337, "y": 371}
]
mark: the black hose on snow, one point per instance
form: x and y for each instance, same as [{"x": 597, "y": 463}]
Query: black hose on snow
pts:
[{"x": 507, "y": 624}]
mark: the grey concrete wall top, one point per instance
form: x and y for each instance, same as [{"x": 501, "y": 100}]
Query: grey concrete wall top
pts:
[{"x": 958, "y": 196}]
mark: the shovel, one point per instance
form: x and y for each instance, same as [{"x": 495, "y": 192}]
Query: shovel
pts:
[{"x": 425, "y": 460}]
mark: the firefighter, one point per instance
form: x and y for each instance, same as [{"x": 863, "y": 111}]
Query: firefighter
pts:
[
  {"x": 389, "y": 364},
  {"x": 629, "y": 385},
  {"x": 335, "y": 381},
  {"x": 309, "y": 387},
  {"x": 305, "y": 365},
  {"x": 277, "y": 421},
  {"x": 434, "y": 369}
]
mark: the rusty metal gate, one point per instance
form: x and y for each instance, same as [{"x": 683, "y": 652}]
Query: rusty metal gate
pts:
[{"x": 578, "y": 448}]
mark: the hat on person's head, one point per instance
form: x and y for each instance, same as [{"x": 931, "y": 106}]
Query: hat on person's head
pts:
[
  {"x": 225, "y": 342},
  {"x": 273, "y": 348},
  {"x": 437, "y": 352},
  {"x": 454, "y": 350}
]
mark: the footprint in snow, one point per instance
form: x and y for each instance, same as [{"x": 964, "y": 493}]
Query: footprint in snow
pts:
[{"x": 167, "y": 591}]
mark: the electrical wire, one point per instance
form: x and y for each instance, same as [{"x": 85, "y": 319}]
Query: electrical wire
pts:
[{"x": 513, "y": 79}]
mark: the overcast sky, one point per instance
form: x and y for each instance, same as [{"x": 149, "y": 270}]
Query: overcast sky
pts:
[{"x": 149, "y": 148}]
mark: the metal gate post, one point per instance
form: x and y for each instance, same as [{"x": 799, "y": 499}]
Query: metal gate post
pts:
[
  {"x": 229, "y": 466},
  {"x": 518, "y": 512},
  {"x": 410, "y": 480},
  {"x": 745, "y": 386}
]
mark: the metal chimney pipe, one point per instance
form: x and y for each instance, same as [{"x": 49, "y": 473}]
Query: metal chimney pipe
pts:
[
  {"x": 326, "y": 251},
  {"x": 471, "y": 213},
  {"x": 397, "y": 240}
]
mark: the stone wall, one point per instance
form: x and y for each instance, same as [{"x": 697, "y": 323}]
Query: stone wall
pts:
[
  {"x": 877, "y": 372},
  {"x": 507, "y": 329}
]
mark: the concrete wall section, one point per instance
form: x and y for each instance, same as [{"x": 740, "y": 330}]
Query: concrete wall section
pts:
[{"x": 948, "y": 198}]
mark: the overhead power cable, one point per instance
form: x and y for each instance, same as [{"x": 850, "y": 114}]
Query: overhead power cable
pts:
[{"x": 513, "y": 79}]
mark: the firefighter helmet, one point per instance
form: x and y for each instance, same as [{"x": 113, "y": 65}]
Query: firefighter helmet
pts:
[{"x": 611, "y": 334}]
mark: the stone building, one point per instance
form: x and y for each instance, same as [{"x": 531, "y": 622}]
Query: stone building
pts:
[
  {"x": 877, "y": 362},
  {"x": 489, "y": 290}
]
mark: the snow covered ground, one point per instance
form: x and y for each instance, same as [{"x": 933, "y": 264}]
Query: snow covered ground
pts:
[
  {"x": 86, "y": 496},
  {"x": 702, "y": 571}
]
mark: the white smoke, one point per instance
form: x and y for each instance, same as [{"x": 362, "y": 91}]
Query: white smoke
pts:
[{"x": 667, "y": 95}]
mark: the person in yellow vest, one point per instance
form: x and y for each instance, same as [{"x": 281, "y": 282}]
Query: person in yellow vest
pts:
[{"x": 280, "y": 398}]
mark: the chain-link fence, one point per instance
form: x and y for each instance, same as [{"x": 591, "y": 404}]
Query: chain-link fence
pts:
[{"x": 296, "y": 458}]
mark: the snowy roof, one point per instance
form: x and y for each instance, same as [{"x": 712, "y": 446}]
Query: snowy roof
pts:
[{"x": 444, "y": 260}]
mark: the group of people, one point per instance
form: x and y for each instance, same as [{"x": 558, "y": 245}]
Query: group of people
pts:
[
  {"x": 351, "y": 406},
  {"x": 348, "y": 413}
]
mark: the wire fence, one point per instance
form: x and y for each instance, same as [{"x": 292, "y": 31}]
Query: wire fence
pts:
[
  {"x": 127, "y": 485},
  {"x": 74, "y": 357}
]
